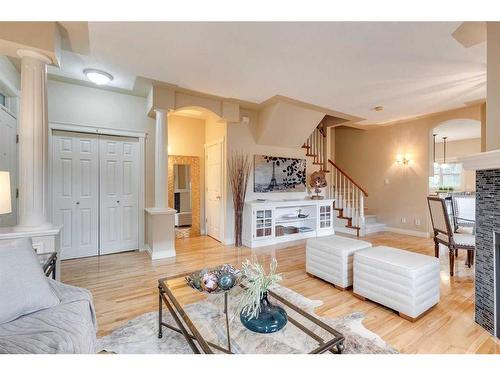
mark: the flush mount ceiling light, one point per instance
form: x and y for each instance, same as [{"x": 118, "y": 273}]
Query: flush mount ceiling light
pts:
[
  {"x": 98, "y": 76},
  {"x": 378, "y": 108}
]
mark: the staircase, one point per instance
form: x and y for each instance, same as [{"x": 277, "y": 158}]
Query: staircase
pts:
[{"x": 349, "y": 196}]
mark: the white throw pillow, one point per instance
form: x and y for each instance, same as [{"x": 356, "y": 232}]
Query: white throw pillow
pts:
[{"x": 23, "y": 286}]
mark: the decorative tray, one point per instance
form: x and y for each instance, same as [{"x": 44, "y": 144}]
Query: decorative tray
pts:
[{"x": 215, "y": 280}]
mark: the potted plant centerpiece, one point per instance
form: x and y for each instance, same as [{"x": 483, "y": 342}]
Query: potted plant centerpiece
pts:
[{"x": 258, "y": 314}]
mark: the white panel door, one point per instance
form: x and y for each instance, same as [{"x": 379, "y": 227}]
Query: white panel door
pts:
[
  {"x": 119, "y": 187},
  {"x": 213, "y": 190},
  {"x": 75, "y": 192},
  {"x": 8, "y": 162}
]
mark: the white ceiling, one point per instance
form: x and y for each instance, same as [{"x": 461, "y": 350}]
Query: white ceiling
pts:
[
  {"x": 457, "y": 130},
  {"x": 408, "y": 68}
]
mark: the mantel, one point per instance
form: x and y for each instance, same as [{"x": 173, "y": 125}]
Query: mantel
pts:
[{"x": 481, "y": 161}]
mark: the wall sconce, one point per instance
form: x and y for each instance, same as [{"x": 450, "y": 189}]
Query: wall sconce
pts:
[{"x": 403, "y": 160}]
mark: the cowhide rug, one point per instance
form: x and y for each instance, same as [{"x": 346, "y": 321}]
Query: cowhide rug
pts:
[{"x": 140, "y": 335}]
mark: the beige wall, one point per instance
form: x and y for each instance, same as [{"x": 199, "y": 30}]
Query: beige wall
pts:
[
  {"x": 215, "y": 130},
  {"x": 493, "y": 87},
  {"x": 43, "y": 37},
  {"x": 456, "y": 149},
  {"x": 286, "y": 125},
  {"x": 395, "y": 192},
  {"x": 186, "y": 137}
]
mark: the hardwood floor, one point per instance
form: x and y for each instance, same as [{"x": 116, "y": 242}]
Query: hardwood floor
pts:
[{"x": 125, "y": 286}]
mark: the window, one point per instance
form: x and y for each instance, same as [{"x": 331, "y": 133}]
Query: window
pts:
[
  {"x": 2, "y": 99},
  {"x": 447, "y": 175}
]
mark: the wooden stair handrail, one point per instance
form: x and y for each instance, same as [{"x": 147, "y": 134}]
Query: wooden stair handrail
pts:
[{"x": 348, "y": 177}]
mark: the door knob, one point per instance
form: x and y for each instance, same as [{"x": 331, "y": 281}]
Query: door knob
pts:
[
  {"x": 117, "y": 201},
  {"x": 77, "y": 202}
]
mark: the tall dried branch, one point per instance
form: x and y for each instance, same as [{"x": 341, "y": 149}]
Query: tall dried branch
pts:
[{"x": 239, "y": 167}]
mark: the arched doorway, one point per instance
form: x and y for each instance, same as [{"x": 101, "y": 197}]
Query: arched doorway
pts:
[
  {"x": 197, "y": 193},
  {"x": 451, "y": 140}
]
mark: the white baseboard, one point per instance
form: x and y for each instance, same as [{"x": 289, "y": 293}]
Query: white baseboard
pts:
[
  {"x": 343, "y": 229},
  {"x": 228, "y": 241},
  {"x": 159, "y": 255},
  {"x": 408, "y": 232}
]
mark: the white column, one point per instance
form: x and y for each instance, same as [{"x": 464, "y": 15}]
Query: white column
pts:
[
  {"x": 161, "y": 159},
  {"x": 160, "y": 241},
  {"x": 33, "y": 141}
]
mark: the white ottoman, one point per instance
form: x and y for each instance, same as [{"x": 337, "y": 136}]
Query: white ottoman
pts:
[
  {"x": 401, "y": 280},
  {"x": 330, "y": 258}
]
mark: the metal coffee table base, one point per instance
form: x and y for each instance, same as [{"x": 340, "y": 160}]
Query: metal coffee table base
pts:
[
  {"x": 172, "y": 306},
  {"x": 196, "y": 341}
]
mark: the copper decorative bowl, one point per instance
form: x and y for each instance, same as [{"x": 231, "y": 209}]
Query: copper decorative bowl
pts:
[{"x": 215, "y": 280}]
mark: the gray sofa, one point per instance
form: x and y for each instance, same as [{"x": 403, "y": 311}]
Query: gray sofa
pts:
[
  {"x": 69, "y": 327},
  {"x": 38, "y": 314}
]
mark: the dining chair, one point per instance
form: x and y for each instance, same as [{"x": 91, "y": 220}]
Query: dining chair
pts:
[
  {"x": 445, "y": 235},
  {"x": 464, "y": 211}
]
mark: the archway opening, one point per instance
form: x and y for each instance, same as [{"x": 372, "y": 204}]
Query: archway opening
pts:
[
  {"x": 452, "y": 140},
  {"x": 191, "y": 129}
]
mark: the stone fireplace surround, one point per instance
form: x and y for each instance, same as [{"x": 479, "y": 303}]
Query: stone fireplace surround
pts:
[{"x": 487, "y": 272}]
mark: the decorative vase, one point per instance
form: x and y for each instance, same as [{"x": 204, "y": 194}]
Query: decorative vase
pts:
[
  {"x": 238, "y": 227},
  {"x": 271, "y": 318}
]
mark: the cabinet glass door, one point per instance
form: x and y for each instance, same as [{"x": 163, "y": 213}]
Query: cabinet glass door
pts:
[
  {"x": 263, "y": 223},
  {"x": 325, "y": 217}
]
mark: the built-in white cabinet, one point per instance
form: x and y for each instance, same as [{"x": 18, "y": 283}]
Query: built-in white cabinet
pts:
[
  {"x": 325, "y": 217},
  {"x": 263, "y": 220},
  {"x": 271, "y": 221}
]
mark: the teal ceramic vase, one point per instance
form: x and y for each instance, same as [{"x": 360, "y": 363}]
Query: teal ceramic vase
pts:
[{"x": 271, "y": 318}]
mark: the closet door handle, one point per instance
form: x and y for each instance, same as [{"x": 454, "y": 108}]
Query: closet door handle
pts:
[
  {"x": 77, "y": 203},
  {"x": 117, "y": 201}
]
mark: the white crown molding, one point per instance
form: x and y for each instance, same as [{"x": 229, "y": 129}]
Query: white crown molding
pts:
[{"x": 482, "y": 161}]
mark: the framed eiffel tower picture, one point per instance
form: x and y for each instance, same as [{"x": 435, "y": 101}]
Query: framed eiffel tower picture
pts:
[{"x": 278, "y": 174}]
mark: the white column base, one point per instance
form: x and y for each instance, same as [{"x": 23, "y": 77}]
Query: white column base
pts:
[{"x": 160, "y": 236}]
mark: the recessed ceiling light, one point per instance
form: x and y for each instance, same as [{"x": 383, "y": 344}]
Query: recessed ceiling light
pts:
[
  {"x": 98, "y": 76},
  {"x": 378, "y": 108}
]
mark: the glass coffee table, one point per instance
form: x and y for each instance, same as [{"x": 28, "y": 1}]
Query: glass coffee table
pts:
[{"x": 211, "y": 323}]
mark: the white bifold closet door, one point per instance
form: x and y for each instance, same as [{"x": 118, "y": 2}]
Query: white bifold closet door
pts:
[
  {"x": 95, "y": 193},
  {"x": 75, "y": 192},
  {"x": 119, "y": 175}
]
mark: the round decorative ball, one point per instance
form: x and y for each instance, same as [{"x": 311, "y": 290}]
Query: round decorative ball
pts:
[
  {"x": 226, "y": 281},
  {"x": 197, "y": 283},
  {"x": 209, "y": 282}
]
